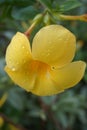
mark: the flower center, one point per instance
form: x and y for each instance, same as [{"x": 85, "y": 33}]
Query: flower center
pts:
[{"x": 39, "y": 67}]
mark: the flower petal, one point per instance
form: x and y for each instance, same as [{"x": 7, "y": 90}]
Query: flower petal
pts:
[
  {"x": 23, "y": 77},
  {"x": 44, "y": 86},
  {"x": 18, "y": 51},
  {"x": 44, "y": 81},
  {"x": 34, "y": 77},
  {"x": 69, "y": 75},
  {"x": 54, "y": 45}
]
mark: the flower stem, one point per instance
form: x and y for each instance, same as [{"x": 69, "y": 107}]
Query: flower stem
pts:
[
  {"x": 36, "y": 20},
  {"x": 9, "y": 121},
  {"x": 30, "y": 29},
  {"x": 78, "y": 17}
]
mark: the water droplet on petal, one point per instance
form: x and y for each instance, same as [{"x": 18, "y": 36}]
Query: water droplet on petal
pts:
[
  {"x": 48, "y": 54},
  {"x": 23, "y": 47},
  {"x": 13, "y": 69}
]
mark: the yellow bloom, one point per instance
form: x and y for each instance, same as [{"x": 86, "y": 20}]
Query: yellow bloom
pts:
[
  {"x": 46, "y": 70},
  {"x": 11, "y": 127},
  {"x": 1, "y": 122},
  {"x": 3, "y": 99}
]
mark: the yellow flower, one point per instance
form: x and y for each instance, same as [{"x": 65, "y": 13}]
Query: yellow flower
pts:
[
  {"x": 3, "y": 99},
  {"x": 46, "y": 69},
  {"x": 1, "y": 122},
  {"x": 11, "y": 127}
]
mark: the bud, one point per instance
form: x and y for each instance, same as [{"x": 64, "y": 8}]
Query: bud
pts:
[
  {"x": 78, "y": 17},
  {"x": 47, "y": 19},
  {"x": 38, "y": 17}
]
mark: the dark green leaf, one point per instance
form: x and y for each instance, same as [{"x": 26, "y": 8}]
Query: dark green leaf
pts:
[
  {"x": 15, "y": 98},
  {"x": 2, "y": 64},
  {"x": 70, "y": 4},
  {"x": 47, "y": 3},
  {"x": 48, "y": 100},
  {"x": 17, "y": 2},
  {"x": 24, "y": 13}
]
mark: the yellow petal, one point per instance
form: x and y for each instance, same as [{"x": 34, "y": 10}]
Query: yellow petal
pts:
[
  {"x": 54, "y": 45},
  {"x": 18, "y": 51},
  {"x": 34, "y": 77},
  {"x": 69, "y": 75},
  {"x": 24, "y": 77},
  {"x": 44, "y": 86},
  {"x": 1, "y": 121},
  {"x": 39, "y": 79},
  {"x": 12, "y": 127}
]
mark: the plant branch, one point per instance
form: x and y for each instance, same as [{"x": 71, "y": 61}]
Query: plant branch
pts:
[
  {"x": 50, "y": 115},
  {"x": 11, "y": 122},
  {"x": 30, "y": 29}
]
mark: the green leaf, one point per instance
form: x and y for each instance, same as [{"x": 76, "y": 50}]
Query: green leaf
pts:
[
  {"x": 24, "y": 13},
  {"x": 21, "y": 3},
  {"x": 48, "y": 100},
  {"x": 82, "y": 116},
  {"x": 62, "y": 118},
  {"x": 15, "y": 98},
  {"x": 70, "y": 4},
  {"x": 47, "y": 3},
  {"x": 2, "y": 64},
  {"x": 85, "y": 76}
]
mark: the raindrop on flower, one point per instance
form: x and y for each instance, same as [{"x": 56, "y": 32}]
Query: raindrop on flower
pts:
[
  {"x": 23, "y": 47},
  {"x": 47, "y": 68},
  {"x": 13, "y": 69}
]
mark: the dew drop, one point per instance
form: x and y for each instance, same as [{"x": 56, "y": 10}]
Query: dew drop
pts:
[
  {"x": 23, "y": 47},
  {"x": 13, "y": 69},
  {"x": 48, "y": 54}
]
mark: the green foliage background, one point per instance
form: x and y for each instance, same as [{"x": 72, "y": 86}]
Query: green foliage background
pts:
[{"x": 25, "y": 111}]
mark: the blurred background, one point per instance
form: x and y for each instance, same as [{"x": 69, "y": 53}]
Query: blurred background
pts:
[{"x": 20, "y": 110}]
